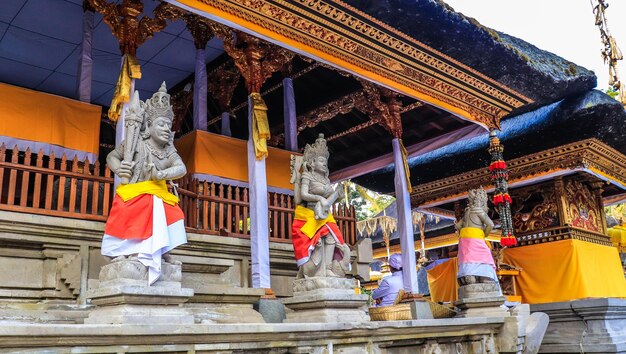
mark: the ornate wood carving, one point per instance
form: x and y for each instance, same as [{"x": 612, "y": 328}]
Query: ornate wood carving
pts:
[
  {"x": 255, "y": 58},
  {"x": 181, "y": 101},
  {"x": 127, "y": 27},
  {"x": 534, "y": 208},
  {"x": 582, "y": 206},
  {"x": 350, "y": 37},
  {"x": 596, "y": 187},
  {"x": 589, "y": 154},
  {"x": 382, "y": 106},
  {"x": 221, "y": 83},
  {"x": 200, "y": 29}
]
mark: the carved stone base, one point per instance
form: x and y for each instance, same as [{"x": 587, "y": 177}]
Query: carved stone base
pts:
[
  {"x": 225, "y": 304},
  {"x": 323, "y": 299},
  {"x": 124, "y": 297},
  {"x": 481, "y": 300}
]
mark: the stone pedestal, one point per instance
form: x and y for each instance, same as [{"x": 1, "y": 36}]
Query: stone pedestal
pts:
[
  {"x": 221, "y": 303},
  {"x": 591, "y": 325},
  {"x": 481, "y": 300},
  {"x": 124, "y": 296},
  {"x": 324, "y": 299}
]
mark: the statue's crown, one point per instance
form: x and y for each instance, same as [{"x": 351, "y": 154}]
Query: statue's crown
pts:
[
  {"x": 318, "y": 148},
  {"x": 159, "y": 105},
  {"x": 477, "y": 197}
]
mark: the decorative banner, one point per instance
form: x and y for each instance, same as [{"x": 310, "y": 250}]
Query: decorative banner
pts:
[
  {"x": 501, "y": 198},
  {"x": 260, "y": 125},
  {"x": 407, "y": 171},
  {"x": 130, "y": 70}
]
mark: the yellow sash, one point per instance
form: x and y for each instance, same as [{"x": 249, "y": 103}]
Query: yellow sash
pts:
[
  {"x": 158, "y": 188},
  {"x": 474, "y": 232},
  {"x": 312, "y": 225}
]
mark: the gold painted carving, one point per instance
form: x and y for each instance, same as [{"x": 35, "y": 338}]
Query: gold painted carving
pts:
[
  {"x": 130, "y": 31},
  {"x": 585, "y": 154},
  {"x": 255, "y": 58},
  {"x": 317, "y": 26}
]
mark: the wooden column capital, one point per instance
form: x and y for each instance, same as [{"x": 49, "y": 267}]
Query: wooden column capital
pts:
[{"x": 130, "y": 31}]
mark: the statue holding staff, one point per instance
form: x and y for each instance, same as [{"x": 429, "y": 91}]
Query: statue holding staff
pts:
[{"x": 145, "y": 221}]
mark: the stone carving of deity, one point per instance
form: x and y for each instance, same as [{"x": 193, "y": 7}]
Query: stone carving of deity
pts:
[
  {"x": 318, "y": 243},
  {"x": 145, "y": 221},
  {"x": 476, "y": 264}
]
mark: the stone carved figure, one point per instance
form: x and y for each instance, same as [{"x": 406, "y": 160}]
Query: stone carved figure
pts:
[
  {"x": 145, "y": 221},
  {"x": 318, "y": 243},
  {"x": 476, "y": 264}
]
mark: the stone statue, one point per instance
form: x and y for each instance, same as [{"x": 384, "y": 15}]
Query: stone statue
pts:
[
  {"x": 145, "y": 221},
  {"x": 318, "y": 244},
  {"x": 476, "y": 263}
]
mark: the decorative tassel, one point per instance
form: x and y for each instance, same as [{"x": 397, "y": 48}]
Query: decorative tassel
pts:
[
  {"x": 130, "y": 70},
  {"x": 260, "y": 126}
]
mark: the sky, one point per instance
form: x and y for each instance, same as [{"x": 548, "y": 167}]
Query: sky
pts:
[{"x": 564, "y": 27}]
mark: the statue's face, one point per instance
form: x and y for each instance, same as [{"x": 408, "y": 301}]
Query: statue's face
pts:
[
  {"x": 320, "y": 164},
  {"x": 160, "y": 130}
]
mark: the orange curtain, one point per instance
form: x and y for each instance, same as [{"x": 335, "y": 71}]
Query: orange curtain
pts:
[
  {"x": 45, "y": 118},
  {"x": 442, "y": 281},
  {"x": 567, "y": 270},
  {"x": 226, "y": 157}
]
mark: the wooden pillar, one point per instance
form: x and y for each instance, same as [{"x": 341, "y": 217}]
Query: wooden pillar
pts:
[
  {"x": 384, "y": 107},
  {"x": 561, "y": 201},
  {"x": 596, "y": 187},
  {"x": 85, "y": 62},
  {"x": 405, "y": 223},
  {"x": 256, "y": 61},
  {"x": 291, "y": 125},
  {"x": 201, "y": 32},
  {"x": 226, "y": 124}
]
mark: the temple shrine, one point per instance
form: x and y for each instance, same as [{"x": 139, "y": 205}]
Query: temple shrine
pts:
[{"x": 171, "y": 181}]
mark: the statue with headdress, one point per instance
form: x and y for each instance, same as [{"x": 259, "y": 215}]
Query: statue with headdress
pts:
[
  {"x": 476, "y": 264},
  {"x": 318, "y": 243},
  {"x": 145, "y": 221}
]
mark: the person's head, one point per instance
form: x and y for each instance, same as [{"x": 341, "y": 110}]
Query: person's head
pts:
[{"x": 395, "y": 262}]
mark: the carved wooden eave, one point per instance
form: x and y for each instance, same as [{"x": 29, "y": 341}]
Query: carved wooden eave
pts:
[
  {"x": 590, "y": 156},
  {"x": 347, "y": 38}
]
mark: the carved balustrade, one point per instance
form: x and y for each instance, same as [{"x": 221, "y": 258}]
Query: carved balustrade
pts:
[
  {"x": 48, "y": 185},
  {"x": 561, "y": 233}
]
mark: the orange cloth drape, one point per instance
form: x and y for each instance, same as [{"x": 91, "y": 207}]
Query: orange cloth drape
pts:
[
  {"x": 442, "y": 281},
  {"x": 566, "y": 270},
  {"x": 45, "y": 118},
  {"x": 226, "y": 157}
]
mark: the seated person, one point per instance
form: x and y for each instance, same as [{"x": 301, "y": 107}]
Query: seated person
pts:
[{"x": 389, "y": 287}]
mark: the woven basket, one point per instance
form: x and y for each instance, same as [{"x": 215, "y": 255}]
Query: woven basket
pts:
[
  {"x": 402, "y": 312},
  {"x": 441, "y": 311},
  {"x": 391, "y": 313}
]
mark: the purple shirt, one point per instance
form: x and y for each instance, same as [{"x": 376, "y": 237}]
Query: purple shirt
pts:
[{"x": 388, "y": 289}]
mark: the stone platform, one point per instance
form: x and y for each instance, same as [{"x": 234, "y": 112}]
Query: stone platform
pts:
[
  {"x": 591, "y": 325},
  {"x": 325, "y": 299},
  {"x": 481, "y": 300},
  {"x": 124, "y": 296}
]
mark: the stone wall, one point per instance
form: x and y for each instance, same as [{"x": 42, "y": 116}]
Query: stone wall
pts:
[{"x": 55, "y": 260}]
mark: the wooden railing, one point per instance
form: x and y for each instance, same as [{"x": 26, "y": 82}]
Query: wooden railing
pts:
[
  {"x": 47, "y": 185},
  {"x": 221, "y": 209},
  {"x": 562, "y": 233},
  {"x": 40, "y": 184}
]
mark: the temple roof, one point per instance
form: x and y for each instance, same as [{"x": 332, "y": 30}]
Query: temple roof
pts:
[
  {"x": 540, "y": 75},
  {"x": 589, "y": 115},
  {"x": 40, "y": 46}
]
